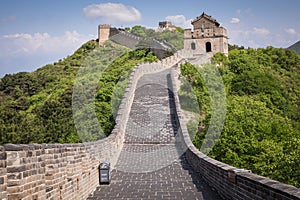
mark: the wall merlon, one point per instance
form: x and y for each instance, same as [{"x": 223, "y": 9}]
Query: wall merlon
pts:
[
  {"x": 42, "y": 166},
  {"x": 70, "y": 171},
  {"x": 231, "y": 182}
]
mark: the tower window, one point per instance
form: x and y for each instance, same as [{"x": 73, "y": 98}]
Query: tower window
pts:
[
  {"x": 208, "y": 47},
  {"x": 193, "y": 46}
]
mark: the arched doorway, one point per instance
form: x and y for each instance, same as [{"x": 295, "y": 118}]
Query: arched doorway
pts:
[
  {"x": 193, "y": 46},
  {"x": 208, "y": 47}
]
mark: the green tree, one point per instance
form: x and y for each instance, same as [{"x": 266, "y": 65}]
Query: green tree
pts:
[{"x": 262, "y": 126}]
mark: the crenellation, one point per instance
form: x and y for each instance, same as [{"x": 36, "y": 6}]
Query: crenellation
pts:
[
  {"x": 207, "y": 36},
  {"x": 70, "y": 171},
  {"x": 40, "y": 170},
  {"x": 244, "y": 186}
]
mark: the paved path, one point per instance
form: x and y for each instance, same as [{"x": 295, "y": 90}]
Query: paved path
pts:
[{"x": 152, "y": 164}]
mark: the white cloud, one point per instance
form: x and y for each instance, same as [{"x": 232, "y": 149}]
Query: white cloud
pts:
[
  {"x": 261, "y": 37},
  {"x": 180, "y": 20},
  {"x": 26, "y": 52},
  {"x": 235, "y": 20},
  {"x": 112, "y": 12},
  {"x": 26, "y": 43},
  {"x": 291, "y": 31},
  {"x": 18, "y": 36},
  {"x": 261, "y": 31},
  {"x": 21, "y": 43},
  {"x": 252, "y": 37}
]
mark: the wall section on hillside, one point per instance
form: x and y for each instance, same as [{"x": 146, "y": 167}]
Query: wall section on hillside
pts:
[{"x": 228, "y": 181}]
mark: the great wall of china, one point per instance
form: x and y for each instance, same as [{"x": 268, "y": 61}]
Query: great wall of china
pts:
[{"x": 70, "y": 171}]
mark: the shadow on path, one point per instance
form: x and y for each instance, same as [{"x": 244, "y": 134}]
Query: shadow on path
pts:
[{"x": 152, "y": 163}]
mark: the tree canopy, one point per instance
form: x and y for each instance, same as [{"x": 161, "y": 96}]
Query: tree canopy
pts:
[
  {"x": 37, "y": 107},
  {"x": 262, "y": 126}
]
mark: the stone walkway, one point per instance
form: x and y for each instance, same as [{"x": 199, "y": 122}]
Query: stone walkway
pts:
[{"x": 152, "y": 163}]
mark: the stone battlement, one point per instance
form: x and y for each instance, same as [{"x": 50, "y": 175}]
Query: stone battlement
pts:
[
  {"x": 70, "y": 171},
  {"x": 104, "y": 26},
  {"x": 228, "y": 181},
  {"x": 207, "y": 35},
  {"x": 53, "y": 171},
  {"x": 67, "y": 171}
]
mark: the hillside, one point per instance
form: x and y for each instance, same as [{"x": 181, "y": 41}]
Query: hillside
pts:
[
  {"x": 295, "y": 47},
  {"x": 173, "y": 37},
  {"x": 262, "y": 126},
  {"x": 37, "y": 107}
]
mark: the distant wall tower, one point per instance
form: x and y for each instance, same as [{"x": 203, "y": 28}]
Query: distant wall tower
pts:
[
  {"x": 207, "y": 36},
  {"x": 103, "y": 33},
  {"x": 162, "y": 26}
]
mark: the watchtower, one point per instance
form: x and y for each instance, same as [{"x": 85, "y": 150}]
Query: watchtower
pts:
[
  {"x": 103, "y": 33},
  {"x": 166, "y": 25},
  {"x": 207, "y": 36}
]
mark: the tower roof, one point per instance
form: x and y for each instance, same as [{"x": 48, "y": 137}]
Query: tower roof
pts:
[{"x": 207, "y": 17}]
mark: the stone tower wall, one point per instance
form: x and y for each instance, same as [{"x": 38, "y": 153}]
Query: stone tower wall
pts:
[
  {"x": 206, "y": 31},
  {"x": 103, "y": 33},
  {"x": 218, "y": 44}
]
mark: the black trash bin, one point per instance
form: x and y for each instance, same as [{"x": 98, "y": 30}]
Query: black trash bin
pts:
[{"x": 104, "y": 176}]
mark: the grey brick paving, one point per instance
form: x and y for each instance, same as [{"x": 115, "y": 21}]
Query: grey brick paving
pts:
[{"x": 152, "y": 164}]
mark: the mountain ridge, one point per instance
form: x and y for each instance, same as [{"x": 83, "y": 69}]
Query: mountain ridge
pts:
[{"x": 295, "y": 47}]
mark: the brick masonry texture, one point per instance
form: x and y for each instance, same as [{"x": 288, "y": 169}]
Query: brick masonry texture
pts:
[
  {"x": 230, "y": 182},
  {"x": 66, "y": 171},
  {"x": 152, "y": 164},
  {"x": 70, "y": 171}
]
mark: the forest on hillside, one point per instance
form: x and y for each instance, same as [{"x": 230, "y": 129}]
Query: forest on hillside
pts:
[
  {"x": 173, "y": 37},
  {"x": 37, "y": 107},
  {"x": 262, "y": 126}
]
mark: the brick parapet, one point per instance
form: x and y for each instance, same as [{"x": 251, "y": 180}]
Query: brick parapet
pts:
[
  {"x": 70, "y": 171},
  {"x": 53, "y": 171},
  {"x": 67, "y": 171},
  {"x": 3, "y": 173},
  {"x": 230, "y": 182}
]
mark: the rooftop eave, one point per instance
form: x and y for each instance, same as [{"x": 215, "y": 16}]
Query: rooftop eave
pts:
[{"x": 207, "y": 18}]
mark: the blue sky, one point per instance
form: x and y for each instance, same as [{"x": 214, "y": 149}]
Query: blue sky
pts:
[{"x": 34, "y": 32}]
